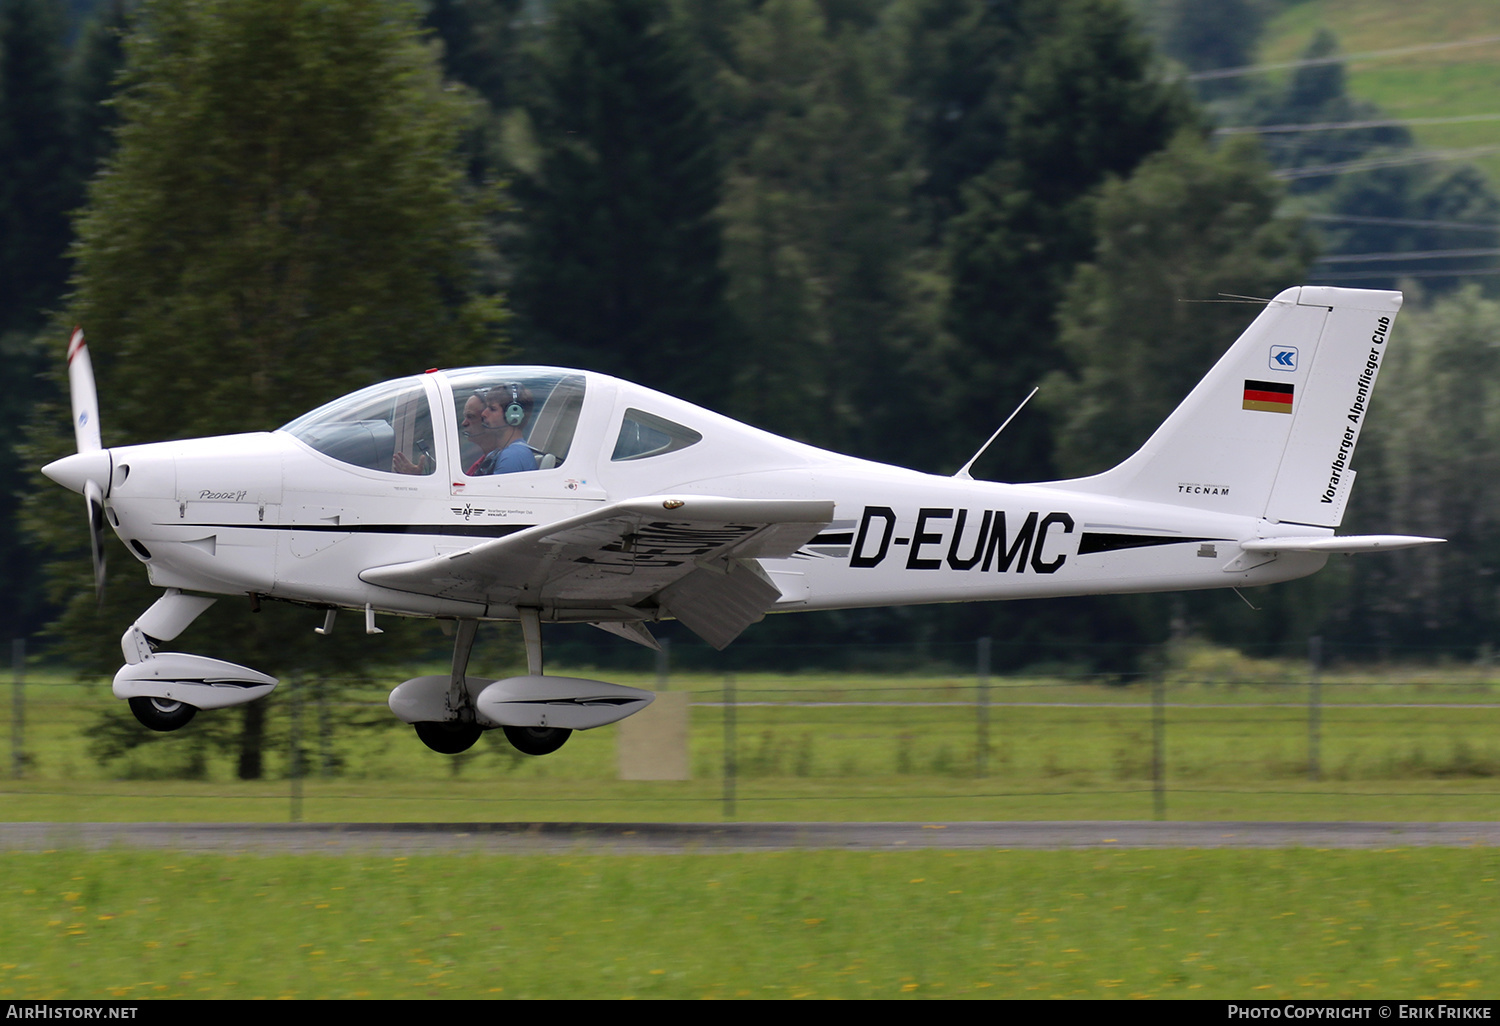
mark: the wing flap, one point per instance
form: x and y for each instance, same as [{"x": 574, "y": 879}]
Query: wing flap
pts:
[{"x": 718, "y": 605}]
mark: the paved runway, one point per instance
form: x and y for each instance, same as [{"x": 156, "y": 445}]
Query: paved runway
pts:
[{"x": 679, "y": 838}]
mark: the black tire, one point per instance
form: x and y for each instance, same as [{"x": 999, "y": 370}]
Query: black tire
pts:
[
  {"x": 537, "y": 740},
  {"x": 162, "y": 714},
  {"x": 448, "y": 738}
]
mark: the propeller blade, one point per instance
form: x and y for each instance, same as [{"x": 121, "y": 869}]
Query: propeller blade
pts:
[
  {"x": 95, "y": 499},
  {"x": 86, "y": 434},
  {"x": 85, "y": 396}
]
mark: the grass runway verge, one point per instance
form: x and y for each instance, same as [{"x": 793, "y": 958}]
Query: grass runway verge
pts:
[{"x": 1290, "y": 924}]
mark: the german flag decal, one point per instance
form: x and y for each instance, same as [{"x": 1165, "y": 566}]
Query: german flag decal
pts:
[{"x": 1268, "y": 396}]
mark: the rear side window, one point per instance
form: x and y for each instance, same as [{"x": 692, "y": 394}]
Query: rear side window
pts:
[{"x": 643, "y": 435}]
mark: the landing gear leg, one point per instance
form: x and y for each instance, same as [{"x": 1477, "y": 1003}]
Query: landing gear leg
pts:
[
  {"x": 450, "y": 737},
  {"x": 531, "y": 631},
  {"x": 463, "y": 644}
]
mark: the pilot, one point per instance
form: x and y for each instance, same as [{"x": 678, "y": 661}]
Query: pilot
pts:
[
  {"x": 402, "y": 463},
  {"x": 507, "y": 408}
]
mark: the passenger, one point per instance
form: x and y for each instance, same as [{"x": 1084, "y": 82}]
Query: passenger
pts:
[
  {"x": 472, "y": 428},
  {"x": 507, "y": 408}
]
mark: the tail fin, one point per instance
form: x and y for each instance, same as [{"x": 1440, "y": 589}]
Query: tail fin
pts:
[{"x": 1270, "y": 430}]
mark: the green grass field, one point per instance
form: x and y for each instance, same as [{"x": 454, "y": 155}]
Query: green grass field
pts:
[
  {"x": 1396, "y": 743},
  {"x": 1127, "y": 924},
  {"x": 1435, "y": 84}
]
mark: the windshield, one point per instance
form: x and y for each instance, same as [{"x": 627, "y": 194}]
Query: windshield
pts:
[{"x": 386, "y": 427}]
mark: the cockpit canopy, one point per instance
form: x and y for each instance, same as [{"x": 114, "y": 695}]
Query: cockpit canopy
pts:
[{"x": 505, "y": 419}]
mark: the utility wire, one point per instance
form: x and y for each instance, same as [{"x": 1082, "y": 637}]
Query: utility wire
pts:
[
  {"x": 1397, "y": 273},
  {"x": 1369, "y": 164},
  {"x": 1348, "y": 58},
  {"x": 1342, "y": 126},
  {"x": 1403, "y": 222},
  {"x": 1420, "y": 254}
]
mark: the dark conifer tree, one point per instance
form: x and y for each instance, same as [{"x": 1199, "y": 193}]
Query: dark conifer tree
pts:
[
  {"x": 480, "y": 44},
  {"x": 619, "y": 270},
  {"x": 97, "y": 60},
  {"x": 37, "y": 187},
  {"x": 252, "y": 253},
  {"x": 1087, "y": 108}
]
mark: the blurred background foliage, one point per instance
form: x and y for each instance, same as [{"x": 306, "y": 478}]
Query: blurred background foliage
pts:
[{"x": 871, "y": 225}]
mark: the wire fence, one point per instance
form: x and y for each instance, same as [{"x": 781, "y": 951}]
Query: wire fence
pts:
[{"x": 1209, "y": 734}]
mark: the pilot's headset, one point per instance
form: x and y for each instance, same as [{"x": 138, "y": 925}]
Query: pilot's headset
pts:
[{"x": 515, "y": 413}]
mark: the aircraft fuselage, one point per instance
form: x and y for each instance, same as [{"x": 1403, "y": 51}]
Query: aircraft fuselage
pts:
[{"x": 262, "y": 513}]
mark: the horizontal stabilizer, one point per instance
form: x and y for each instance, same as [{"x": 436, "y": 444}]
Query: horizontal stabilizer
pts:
[{"x": 1348, "y": 543}]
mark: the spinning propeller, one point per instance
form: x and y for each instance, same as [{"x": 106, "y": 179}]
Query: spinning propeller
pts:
[{"x": 88, "y": 470}]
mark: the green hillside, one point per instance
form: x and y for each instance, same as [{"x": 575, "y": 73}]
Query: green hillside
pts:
[{"x": 1453, "y": 82}]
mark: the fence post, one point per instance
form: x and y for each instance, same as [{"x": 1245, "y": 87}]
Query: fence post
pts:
[
  {"x": 663, "y": 664},
  {"x": 1159, "y": 746},
  {"x": 294, "y": 755},
  {"x": 18, "y": 708},
  {"x": 982, "y": 713},
  {"x": 1315, "y": 709},
  {"x": 729, "y": 761}
]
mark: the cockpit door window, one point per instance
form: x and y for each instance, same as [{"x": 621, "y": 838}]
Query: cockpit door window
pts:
[{"x": 514, "y": 419}]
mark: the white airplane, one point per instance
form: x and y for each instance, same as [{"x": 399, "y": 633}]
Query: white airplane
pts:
[{"x": 542, "y": 495}]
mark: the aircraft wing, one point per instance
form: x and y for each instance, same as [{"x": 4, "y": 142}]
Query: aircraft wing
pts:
[{"x": 690, "y": 557}]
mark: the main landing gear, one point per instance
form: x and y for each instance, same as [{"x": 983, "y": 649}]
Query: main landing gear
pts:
[
  {"x": 458, "y": 734},
  {"x": 538, "y": 714}
]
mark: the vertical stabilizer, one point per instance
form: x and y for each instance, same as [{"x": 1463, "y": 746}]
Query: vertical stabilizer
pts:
[{"x": 1270, "y": 430}]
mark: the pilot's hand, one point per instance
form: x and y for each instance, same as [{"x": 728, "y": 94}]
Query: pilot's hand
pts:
[{"x": 401, "y": 465}]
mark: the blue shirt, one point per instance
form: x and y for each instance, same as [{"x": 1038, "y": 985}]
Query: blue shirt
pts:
[{"x": 516, "y": 456}]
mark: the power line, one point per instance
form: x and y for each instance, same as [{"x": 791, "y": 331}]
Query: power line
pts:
[
  {"x": 1403, "y": 222},
  {"x": 1369, "y": 164},
  {"x": 1424, "y": 273},
  {"x": 1309, "y": 62},
  {"x": 1420, "y": 254},
  {"x": 1340, "y": 126}
]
